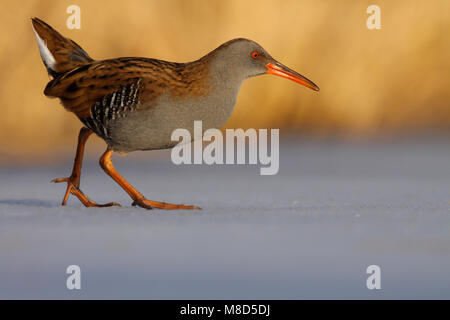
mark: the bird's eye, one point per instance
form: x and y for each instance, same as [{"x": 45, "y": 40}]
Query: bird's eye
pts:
[{"x": 255, "y": 54}]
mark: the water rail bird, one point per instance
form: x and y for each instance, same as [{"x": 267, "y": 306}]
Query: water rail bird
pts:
[{"x": 136, "y": 103}]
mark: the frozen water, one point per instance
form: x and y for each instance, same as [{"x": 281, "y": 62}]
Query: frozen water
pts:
[{"x": 308, "y": 232}]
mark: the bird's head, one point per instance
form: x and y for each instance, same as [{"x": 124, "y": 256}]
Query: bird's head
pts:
[{"x": 242, "y": 58}]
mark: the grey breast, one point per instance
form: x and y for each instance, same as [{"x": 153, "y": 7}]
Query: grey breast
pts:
[{"x": 128, "y": 124}]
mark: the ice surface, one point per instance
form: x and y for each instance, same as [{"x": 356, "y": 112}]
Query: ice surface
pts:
[{"x": 308, "y": 232}]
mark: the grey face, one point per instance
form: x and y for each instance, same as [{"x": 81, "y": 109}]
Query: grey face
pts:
[
  {"x": 250, "y": 56},
  {"x": 239, "y": 59},
  {"x": 246, "y": 57}
]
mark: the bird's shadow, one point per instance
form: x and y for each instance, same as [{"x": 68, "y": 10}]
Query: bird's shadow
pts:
[{"x": 28, "y": 202}]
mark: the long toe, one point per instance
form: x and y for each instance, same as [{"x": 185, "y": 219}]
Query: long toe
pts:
[
  {"x": 109, "y": 204},
  {"x": 58, "y": 180},
  {"x": 149, "y": 204},
  {"x": 72, "y": 188}
]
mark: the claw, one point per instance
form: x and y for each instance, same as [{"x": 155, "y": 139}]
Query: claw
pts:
[
  {"x": 134, "y": 204},
  {"x": 142, "y": 205}
]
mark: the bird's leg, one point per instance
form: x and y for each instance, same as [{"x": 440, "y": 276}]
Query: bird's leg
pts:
[
  {"x": 138, "y": 198},
  {"x": 73, "y": 182}
]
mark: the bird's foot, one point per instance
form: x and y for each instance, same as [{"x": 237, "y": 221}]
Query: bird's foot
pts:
[
  {"x": 73, "y": 188},
  {"x": 149, "y": 204}
]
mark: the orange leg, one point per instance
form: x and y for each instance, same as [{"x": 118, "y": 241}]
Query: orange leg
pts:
[
  {"x": 73, "y": 182},
  {"x": 138, "y": 198}
]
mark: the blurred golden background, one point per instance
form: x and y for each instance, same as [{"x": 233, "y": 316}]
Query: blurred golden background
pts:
[{"x": 373, "y": 82}]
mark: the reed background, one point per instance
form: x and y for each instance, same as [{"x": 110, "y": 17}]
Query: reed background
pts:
[{"x": 393, "y": 81}]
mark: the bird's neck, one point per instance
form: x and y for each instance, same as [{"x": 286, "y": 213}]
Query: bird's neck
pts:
[
  {"x": 221, "y": 89},
  {"x": 223, "y": 74},
  {"x": 226, "y": 82}
]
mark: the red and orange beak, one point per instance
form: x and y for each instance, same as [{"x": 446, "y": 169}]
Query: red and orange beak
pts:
[{"x": 278, "y": 69}]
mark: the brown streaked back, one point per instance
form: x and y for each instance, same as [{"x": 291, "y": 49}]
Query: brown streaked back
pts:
[{"x": 80, "y": 88}]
